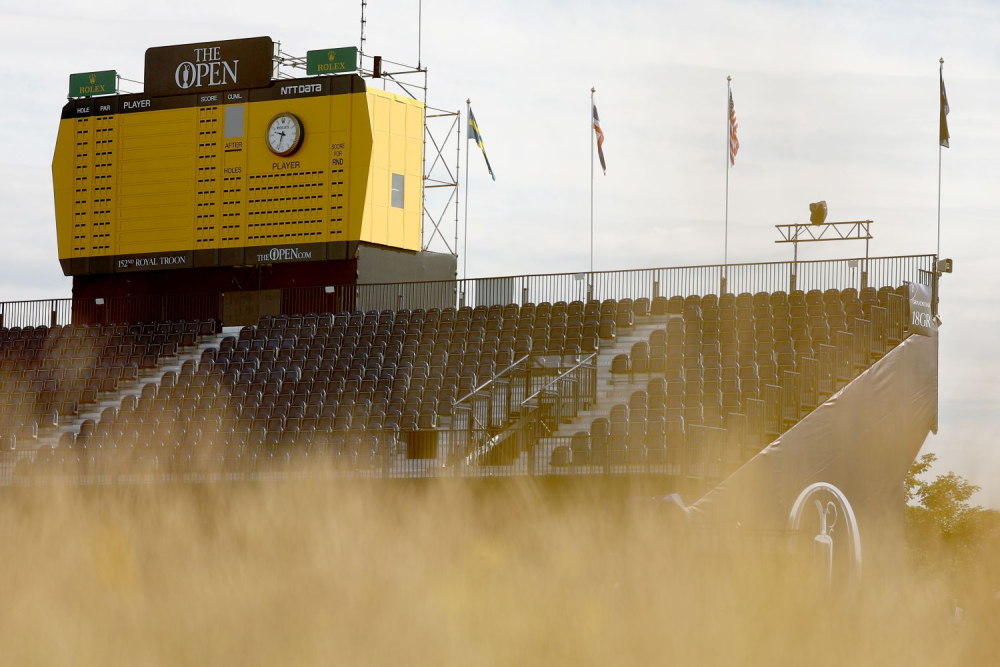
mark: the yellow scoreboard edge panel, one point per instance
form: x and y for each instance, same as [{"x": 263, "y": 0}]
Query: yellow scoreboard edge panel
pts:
[{"x": 292, "y": 171}]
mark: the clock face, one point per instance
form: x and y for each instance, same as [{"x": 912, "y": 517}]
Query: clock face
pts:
[{"x": 284, "y": 134}]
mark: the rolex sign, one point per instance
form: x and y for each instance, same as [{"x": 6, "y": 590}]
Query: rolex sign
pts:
[
  {"x": 89, "y": 84},
  {"x": 332, "y": 61},
  {"x": 209, "y": 66}
]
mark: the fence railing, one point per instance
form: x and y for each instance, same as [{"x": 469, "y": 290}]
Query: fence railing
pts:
[
  {"x": 47, "y": 312},
  {"x": 631, "y": 283},
  {"x": 651, "y": 283},
  {"x": 421, "y": 453}
]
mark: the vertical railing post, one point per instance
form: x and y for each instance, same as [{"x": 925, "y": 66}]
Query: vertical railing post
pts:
[
  {"x": 533, "y": 443},
  {"x": 795, "y": 267},
  {"x": 934, "y": 288}
]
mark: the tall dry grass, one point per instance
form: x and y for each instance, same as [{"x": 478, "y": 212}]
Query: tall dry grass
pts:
[{"x": 436, "y": 573}]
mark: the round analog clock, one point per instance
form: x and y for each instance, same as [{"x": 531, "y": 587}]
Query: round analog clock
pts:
[{"x": 284, "y": 134}]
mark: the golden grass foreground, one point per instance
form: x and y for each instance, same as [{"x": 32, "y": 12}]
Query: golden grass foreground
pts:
[{"x": 433, "y": 573}]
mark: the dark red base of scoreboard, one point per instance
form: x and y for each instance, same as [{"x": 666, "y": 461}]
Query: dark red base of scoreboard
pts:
[{"x": 239, "y": 295}]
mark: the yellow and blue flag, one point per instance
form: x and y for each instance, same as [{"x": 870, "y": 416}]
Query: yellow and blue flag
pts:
[{"x": 474, "y": 134}]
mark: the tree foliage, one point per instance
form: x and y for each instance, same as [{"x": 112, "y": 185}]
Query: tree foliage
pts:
[{"x": 944, "y": 529}]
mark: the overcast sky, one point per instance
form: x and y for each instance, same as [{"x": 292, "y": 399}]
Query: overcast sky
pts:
[{"x": 835, "y": 101}]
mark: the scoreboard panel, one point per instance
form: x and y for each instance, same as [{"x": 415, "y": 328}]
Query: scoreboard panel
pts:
[{"x": 145, "y": 182}]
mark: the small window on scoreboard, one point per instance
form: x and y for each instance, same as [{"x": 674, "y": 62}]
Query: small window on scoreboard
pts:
[
  {"x": 397, "y": 190},
  {"x": 234, "y": 121}
]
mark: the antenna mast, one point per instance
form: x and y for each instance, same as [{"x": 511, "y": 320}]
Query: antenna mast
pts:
[{"x": 361, "y": 46}]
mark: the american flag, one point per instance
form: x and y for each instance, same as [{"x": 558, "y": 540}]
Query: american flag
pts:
[
  {"x": 600, "y": 140},
  {"x": 734, "y": 142}
]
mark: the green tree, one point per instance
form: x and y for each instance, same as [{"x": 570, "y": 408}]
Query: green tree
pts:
[{"x": 944, "y": 530}]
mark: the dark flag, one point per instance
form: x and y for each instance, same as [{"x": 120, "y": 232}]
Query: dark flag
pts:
[
  {"x": 943, "y": 135},
  {"x": 474, "y": 134},
  {"x": 600, "y": 140}
]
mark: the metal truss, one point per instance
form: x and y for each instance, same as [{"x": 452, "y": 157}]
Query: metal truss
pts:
[{"x": 857, "y": 230}]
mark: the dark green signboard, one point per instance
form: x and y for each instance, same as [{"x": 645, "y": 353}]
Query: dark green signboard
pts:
[
  {"x": 93, "y": 83},
  {"x": 332, "y": 61}
]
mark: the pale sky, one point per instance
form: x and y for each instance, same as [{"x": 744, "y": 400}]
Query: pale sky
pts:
[{"x": 835, "y": 101}]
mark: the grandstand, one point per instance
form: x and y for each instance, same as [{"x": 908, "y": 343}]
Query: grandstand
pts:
[{"x": 655, "y": 376}]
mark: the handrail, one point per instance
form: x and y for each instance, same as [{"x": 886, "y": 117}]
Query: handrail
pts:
[
  {"x": 492, "y": 380},
  {"x": 499, "y": 437},
  {"x": 475, "y": 419},
  {"x": 593, "y": 355}
]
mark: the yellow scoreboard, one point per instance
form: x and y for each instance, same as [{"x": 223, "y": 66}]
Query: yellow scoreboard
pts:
[{"x": 202, "y": 171}]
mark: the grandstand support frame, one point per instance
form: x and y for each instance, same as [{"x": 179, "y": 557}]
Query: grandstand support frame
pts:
[{"x": 851, "y": 230}]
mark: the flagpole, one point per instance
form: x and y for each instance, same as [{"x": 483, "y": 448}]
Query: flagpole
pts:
[
  {"x": 729, "y": 148},
  {"x": 590, "y": 140},
  {"x": 465, "y": 231},
  {"x": 941, "y": 74}
]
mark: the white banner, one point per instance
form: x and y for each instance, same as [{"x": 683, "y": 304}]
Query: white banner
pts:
[{"x": 921, "y": 320}]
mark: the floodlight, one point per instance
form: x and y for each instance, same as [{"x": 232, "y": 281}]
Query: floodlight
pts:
[{"x": 817, "y": 213}]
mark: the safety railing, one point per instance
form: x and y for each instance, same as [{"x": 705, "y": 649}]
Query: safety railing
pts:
[
  {"x": 648, "y": 283},
  {"x": 563, "y": 391},
  {"x": 632, "y": 284},
  {"x": 487, "y": 408},
  {"x": 564, "y": 396},
  {"x": 559, "y": 399},
  {"x": 42, "y": 312}
]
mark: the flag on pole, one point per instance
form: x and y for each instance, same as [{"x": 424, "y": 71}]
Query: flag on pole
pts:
[
  {"x": 474, "y": 134},
  {"x": 943, "y": 135},
  {"x": 734, "y": 142},
  {"x": 600, "y": 140}
]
